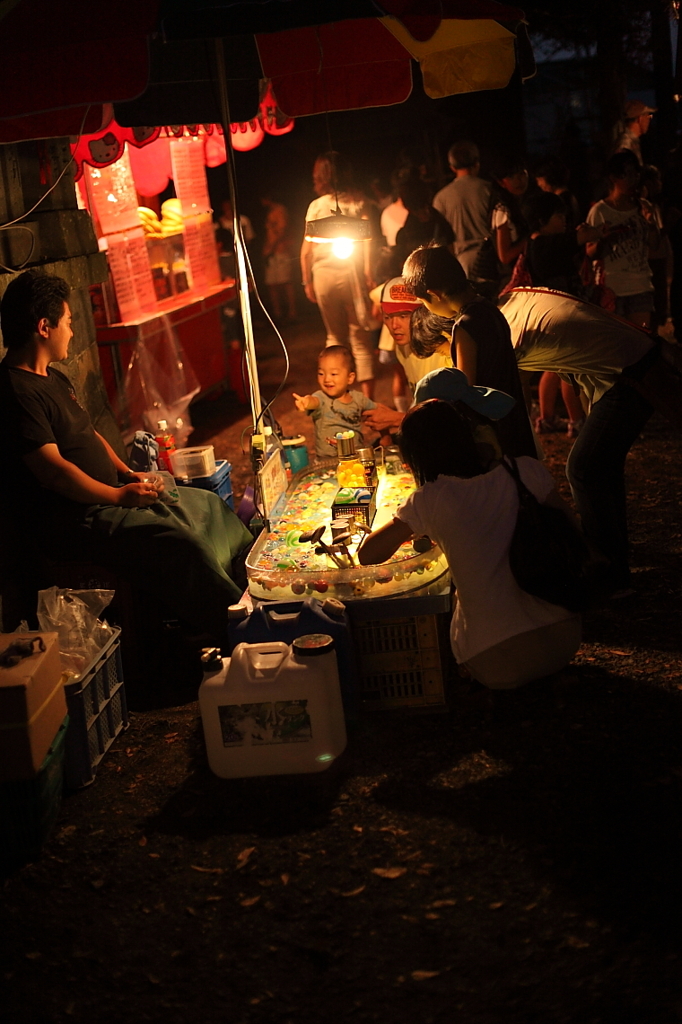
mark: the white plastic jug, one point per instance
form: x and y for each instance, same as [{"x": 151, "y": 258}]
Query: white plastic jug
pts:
[{"x": 274, "y": 709}]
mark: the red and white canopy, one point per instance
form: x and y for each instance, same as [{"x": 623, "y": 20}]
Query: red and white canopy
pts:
[{"x": 62, "y": 64}]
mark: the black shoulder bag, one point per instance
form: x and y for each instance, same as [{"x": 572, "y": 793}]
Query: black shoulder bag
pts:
[
  {"x": 486, "y": 266},
  {"x": 547, "y": 554}
]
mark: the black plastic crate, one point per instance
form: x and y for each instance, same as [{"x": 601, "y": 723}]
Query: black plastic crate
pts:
[{"x": 97, "y": 714}]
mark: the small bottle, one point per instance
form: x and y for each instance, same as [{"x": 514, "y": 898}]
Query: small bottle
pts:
[
  {"x": 349, "y": 472},
  {"x": 366, "y": 456},
  {"x": 166, "y": 443}
]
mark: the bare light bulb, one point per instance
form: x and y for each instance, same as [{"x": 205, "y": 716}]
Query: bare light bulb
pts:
[{"x": 343, "y": 248}]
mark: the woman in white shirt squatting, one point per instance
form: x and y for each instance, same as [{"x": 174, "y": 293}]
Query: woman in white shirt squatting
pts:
[{"x": 502, "y": 635}]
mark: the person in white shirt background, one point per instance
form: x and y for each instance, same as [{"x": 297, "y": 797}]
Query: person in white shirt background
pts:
[
  {"x": 631, "y": 232},
  {"x": 637, "y": 120},
  {"x": 340, "y": 286}
]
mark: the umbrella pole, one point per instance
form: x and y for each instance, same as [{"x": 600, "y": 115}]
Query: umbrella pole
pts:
[{"x": 239, "y": 246}]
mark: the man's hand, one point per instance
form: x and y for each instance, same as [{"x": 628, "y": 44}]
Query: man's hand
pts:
[
  {"x": 305, "y": 402},
  {"x": 139, "y": 495},
  {"x": 309, "y": 289},
  {"x": 155, "y": 479},
  {"x": 383, "y": 418}
]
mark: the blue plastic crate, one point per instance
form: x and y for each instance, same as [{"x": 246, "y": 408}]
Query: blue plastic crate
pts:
[
  {"x": 219, "y": 482},
  {"x": 98, "y": 713},
  {"x": 29, "y": 807}
]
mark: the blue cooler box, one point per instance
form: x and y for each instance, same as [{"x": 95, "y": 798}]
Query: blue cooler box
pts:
[{"x": 219, "y": 482}]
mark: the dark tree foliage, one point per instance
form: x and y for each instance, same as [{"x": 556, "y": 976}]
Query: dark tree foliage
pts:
[{"x": 619, "y": 33}]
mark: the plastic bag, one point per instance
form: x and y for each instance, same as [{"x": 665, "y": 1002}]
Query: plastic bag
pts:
[
  {"x": 74, "y": 615},
  {"x": 144, "y": 452},
  {"x": 159, "y": 384}
]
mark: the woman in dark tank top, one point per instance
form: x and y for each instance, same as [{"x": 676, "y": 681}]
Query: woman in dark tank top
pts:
[
  {"x": 496, "y": 368},
  {"x": 481, "y": 340}
]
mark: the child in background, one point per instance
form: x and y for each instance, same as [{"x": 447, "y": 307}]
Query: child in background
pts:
[
  {"x": 552, "y": 176},
  {"x": 335, "y": 407},
  {"x": 632, "y": 231},
  {"x": 278, "y": 258}
]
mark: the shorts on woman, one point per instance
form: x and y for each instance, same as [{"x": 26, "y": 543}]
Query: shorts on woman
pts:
[{"x": 627, "y": 305}]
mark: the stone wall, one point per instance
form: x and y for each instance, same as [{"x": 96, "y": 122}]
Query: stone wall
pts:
[
  {"x": 61, "y": 242},
  {"x": 64, "y": 244}
]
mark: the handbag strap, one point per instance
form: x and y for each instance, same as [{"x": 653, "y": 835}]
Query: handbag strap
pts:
[{"x": 526, "y": 496}]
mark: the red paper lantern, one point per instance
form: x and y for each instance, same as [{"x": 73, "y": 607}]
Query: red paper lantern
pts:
[
  {"x": 272, "y": 127},
  {"x": 214, "y": 149},
  {"x": 246, "y": 135},
  {"x": 151, "y": 167},
  {"x": 271, "y": 117}
]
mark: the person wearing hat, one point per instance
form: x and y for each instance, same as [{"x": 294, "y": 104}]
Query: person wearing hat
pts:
[
  {"x": 398, "y": 304},
  {"x": 480, "y": 406},
  {"x": 637, "y": 120},
  {"x": 502, "y": 636}
]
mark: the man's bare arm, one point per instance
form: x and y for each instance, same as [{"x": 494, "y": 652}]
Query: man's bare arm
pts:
[
  {"x": 466, "y": 351},
  {"x": 58, "y": 474},
  {"x": 383, "y": 418},
  {"x": 119, "y": 465}
]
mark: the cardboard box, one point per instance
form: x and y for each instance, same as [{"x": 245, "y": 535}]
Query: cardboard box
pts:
[{"x": 32, "y": 707}]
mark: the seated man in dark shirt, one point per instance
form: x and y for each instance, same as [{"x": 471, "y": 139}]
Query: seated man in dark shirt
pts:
[{"x": 76, "y": 499}]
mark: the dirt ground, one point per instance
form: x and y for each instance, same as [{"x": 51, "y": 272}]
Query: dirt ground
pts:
[{"x": 515, "y": 860}]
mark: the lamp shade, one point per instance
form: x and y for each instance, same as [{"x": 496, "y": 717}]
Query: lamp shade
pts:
[{"x": 326, "y": 229}]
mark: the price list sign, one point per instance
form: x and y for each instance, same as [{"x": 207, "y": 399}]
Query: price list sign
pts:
[
  {"x": 113, "y": 194},
  {"x": 189, "y": 176},
  {"x": 201, "y": 252},
  {"x": 132, "y": 277}
]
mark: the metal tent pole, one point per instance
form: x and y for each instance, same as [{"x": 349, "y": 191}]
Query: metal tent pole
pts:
[{"x": 239, "y": 246}]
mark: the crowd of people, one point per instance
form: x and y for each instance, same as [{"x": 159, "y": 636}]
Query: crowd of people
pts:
[
  {"x": 503, "y": 283},
  {"x": 475, "y": 288}
]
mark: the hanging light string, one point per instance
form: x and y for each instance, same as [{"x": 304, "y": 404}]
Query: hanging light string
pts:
[
  {"x": 343, "y": 230},
  {"x": 330, "y": 148},
  {"x": 24, "y": 227}
]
